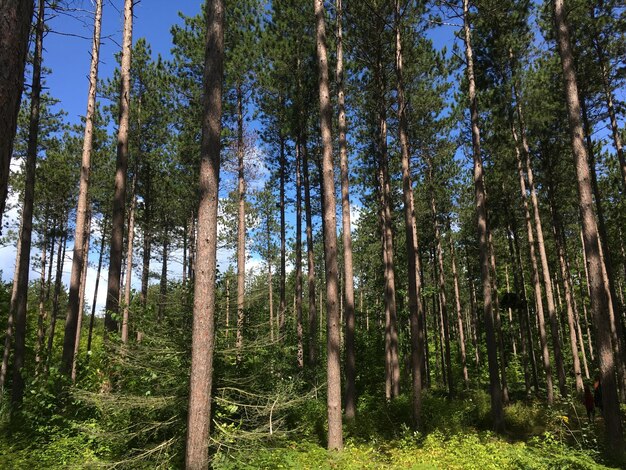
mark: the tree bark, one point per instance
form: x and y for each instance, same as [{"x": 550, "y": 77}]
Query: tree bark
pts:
[
  {"x": 310, "y": 260},
  {"x": 335, "y": 437},
  {"x": 543, "y": 337},
  {"x": 81, "y": 304},
  {"x": 17, "y": 390},
  {"x": 163, "y": 283},
  {"x": 129, "y": 263},
  {"x": 459, "y": 312},
  {"x": 95, "y": 292},
  {"x": 241, "y": 226},
  {"x": 599, "y": 298},
  {"x": 121, "y": 169},
  {"x": 298, "y": 286},
  {"x": 15, "y": 19},
  {"x": 481, "y": 210},
  {"x": 203, "y": 329},
  {"x": 283, "y": 273},
  {"x": 57, "y": 292},
  {"x": 41, "y": 320}
]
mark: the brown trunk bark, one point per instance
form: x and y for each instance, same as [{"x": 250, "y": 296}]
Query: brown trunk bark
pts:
[
  {"x": 543, "y": 337},
  {"x": 298, "y": 293},
  {"x": 55, "y": 299},
  {"x": 545, "y": 268},
  {"x": 310, "y": 261},
  {"x": 15, "y": 18},
  {"x": 412, "y": 242},
  {"x": 335, "y": 438},
  {"x": 350, "y": 364},
  {"x": 41, "y": 320},
  {"x": 121, "y": 169},
  {"x": 95, "y": 291},
  {"x": 282, "y": 293},
  {"x": 483, "y": 236},
  {"x": 129, "y": 264},
  {"x": 17, "y": 390},
  {"x": 599, "y": 298},
  {"x": 81, "y": 303},
  {"x": 241, "y": 226},
  {"x": 459, "y": 312},
  {"x": 163, "y": 282},
  {"x": 203, "y": 329}
]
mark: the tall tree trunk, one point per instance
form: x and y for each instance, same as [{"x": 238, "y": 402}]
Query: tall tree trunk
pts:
[
  {"x": 498, "y": 323},
  {"x": 510, "y": 310},
  {"x": 81, "y": 303},
  {"x": 310, "y": 260},
  {"x": 545, "y": 353},
  {"x": 282, "y": 305},
  {"x": 163, "y": 282},
  {"x": 203, "y": 329},
  {"x": 416, "y": 310},
  {"x": 145, "y": 265},
  {"x": 8, "y": 338},
  {"x": 15, "y": 18},
  {"x": 241, "y": 226},
  {"x": 545, "y": 268},
  {"x": 73, "y": 312},
  {"x": 95, "y": 291},
  {"x": 129, "y": 263},
  {"x": 298, "y": 286},
  {"x": 481, "y": 210},
  {"x": 350, "y": 364},
  {"x": 17, "y": 390},
  {"x": 459, "y": 312},
  {"x": 57, "y": 292},
  {"x": 569, "y": 297},
  {"x": 335, "y": 437},
  {"x": 599, "y": 298},
  {"x": 441, "y": 281},
  {"x": 41, "y": 320},
  {"x": 121, "y": 169}
]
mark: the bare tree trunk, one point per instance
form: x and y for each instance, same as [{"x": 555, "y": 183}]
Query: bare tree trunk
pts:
[
  {"x": 95, "y": 292},
  {"x": 483, "y": 236},
  {"x": 17, "y": 390},
  {"x": 8, "y": 338},
  {"x": 81, "y": 304},
  {"x": 146, "y": 255},
  {"x": 350, "y": 364},
  {"x": 310, "y": 260},
  {"x": 416, "y": 310},
  {"x": 510, "y": 310},
  {"x": 535, "y": 272},
  {"x": 203, "y": 329},
  {"x": 121, "y": 169},
  {"x": 298, "y": 293},
  {"x": 282, "y": 304},
  {"x": 163, "y": 283},
  {"x": 599, "y": 298},
  {"x": 545, "y": 268},
  {"x": 15, "y": 18},
  {"x": 335, "y": 437},
  {"x": 459, "y": 312},
  {"x": 41, "y": 320},
  {"x": 241, "y": 226},
  {"x": 55, "y": 299},
  {"x": 129, "y": 264}
]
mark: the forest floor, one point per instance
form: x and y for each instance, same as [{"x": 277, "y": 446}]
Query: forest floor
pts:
[{"x": 456, "y": 437}]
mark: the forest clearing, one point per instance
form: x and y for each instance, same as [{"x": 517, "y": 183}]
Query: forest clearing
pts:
[{"x": 342, "y": 234}]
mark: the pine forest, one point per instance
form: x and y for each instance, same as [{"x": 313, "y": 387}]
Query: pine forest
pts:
[{"x": 313, "y": 234}]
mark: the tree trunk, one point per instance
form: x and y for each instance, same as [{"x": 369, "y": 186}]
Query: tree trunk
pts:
[
  {"x": 163, "y": 283},
  {"x": 129, "y": 263},
  {"x": 350, "y": 364},
  {"x": 545, "y": 268},
  {"x": 95, "y": 291},
  {"x": 203, "y": 329},
  {"x": 298, "y": 286},
  {"x": 335, "y": 438},
  {"x": 241, "y": 226},
  {"x": 282, "y": 305},
  {"x": 416, "y": 310},
  {"x": 8, "y": 339},
  {"x": 55, "y": 299},
  {"x": 481, "y": 210},
  {"x": 15, "y": 18},
  {"x": 459, "y": 312},
  {"x": 121, "y": 169},
  {"x": 310, "y": 260},
  {"x": 545, "y": 353},
  {"x": 81, "y": 304},
  {"x": 41, "y": 320},
  {"x": 17, "y": 390},
  {"x": 599, "y": 298}
]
